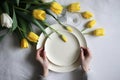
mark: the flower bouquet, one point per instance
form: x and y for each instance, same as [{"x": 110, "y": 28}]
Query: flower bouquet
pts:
[{"x": 17, "y": 16}]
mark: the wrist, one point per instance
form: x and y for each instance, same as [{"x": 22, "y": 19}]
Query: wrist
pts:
[
  {"x": 45, "y": 72},
  {"x": 85, "y": 68}
]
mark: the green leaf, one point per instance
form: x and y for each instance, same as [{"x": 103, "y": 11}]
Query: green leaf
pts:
[
  {"x": 17, "y": 1},
  {"x": 27, "y": 5},
  {"x": 17, "y": 34},
  {"x": 15, "y": 24},
  {"x": 5, "y": 7},
  {"x": 42, "y": 6},
  {"x": 23, "y": 25},
  {"x": 30, "y": 28}
]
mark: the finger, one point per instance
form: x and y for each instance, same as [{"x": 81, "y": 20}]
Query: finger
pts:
[
  {"x": 45, "y": 58},
  {"x": 89, "y": 52},
  {"x": 39, "y": 50},
  {"x": 86, "y": 51},
  {"x": 38, "y": 54},
  {"x": 44, "y": 55},
  {"x": 82, "y": 54},
  {"x": 84, "y": 48},
  {"x": 38, "y": 57}
]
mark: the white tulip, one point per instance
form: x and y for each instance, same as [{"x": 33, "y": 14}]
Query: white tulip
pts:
[
  {"x": 47, "y": 0},
  {"x": 6, "y": 20}
]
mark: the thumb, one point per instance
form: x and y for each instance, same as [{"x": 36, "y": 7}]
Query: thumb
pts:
[{"x": 82, "y": 54}]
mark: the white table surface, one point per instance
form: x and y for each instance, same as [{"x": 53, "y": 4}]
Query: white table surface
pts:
[{"x": 20, "y": 64}]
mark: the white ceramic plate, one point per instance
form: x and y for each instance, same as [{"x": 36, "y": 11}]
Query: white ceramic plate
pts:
[
  {"x": 62, "y": 53},
  {"x": 80, "y": 38}
]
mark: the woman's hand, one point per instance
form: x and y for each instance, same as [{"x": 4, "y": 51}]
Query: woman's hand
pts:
[
  {"x": 85, "y": 58},
  {"x": 41, "y": 57}
]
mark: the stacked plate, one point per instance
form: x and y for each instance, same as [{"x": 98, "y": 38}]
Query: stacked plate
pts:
[{"x": 62, "y": 56}]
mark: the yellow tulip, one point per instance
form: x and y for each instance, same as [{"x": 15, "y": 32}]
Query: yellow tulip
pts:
[
  {"x": 99, "y": 32},
  {"x": 91, "y": 24},
  {"x": 24, "y": 43},
  {"x": 32, "y": 37},
  {"x": 56, "y": 8},
  {"x": 87, "y": 15},
  {"x": 39, "y": 14},
  {"x": 74, "y": 7},
  {"x": 64, "y": 38},
  {"x": 69, "y": 29}
]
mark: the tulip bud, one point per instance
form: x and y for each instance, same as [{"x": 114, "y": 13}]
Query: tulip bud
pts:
[
  {"x": 56, "y": 8},
  {"x": 69, "y": 29},
  {"x": 64, "y": 38},
  {"x": 6, "y": 20},
  {"x": 32, "y": 37},
  {"x": 24, "y": 43},
  {"x": 39, "y": 14},
  {"x": 91, "y": 24},
  {"x": 99, "y": 32},
  {"x": 87, "y": 15},
  {"x": 74, "y": 7}
]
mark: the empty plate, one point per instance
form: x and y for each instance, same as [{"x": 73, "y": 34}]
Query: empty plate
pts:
[{"x": 62, "y": 53}]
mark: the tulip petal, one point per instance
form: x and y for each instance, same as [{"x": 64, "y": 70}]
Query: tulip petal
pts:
[{"x": 6, "y": 20}]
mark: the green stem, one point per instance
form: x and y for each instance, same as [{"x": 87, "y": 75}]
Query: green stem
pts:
[
  {"x": 88, "y": 33},
  {"x": 85, "y": 33},
  {"x": 55, "y": 30},
  {"x": 20, "y": 32},
  {"x": 30, "y": 27},
  {"x": 84, "y": 29},
  {"x": 22, "y": 9},
  {"x": 46, "y": 24},
  {"x": 21, "y": 29},
  {"x": 65, "y": 7}
]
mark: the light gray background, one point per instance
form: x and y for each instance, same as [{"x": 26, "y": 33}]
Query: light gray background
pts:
[{"x": 20, "y": 64}]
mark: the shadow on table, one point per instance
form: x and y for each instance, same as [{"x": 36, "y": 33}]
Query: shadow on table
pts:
[{"x": 79, "y": 75}]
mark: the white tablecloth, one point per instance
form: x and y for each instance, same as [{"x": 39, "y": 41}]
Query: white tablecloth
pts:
[{"x": 20, "y": 64}]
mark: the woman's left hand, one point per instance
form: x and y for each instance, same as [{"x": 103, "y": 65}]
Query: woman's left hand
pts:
[{"x": 41, "y": 57}]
